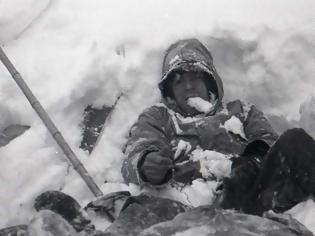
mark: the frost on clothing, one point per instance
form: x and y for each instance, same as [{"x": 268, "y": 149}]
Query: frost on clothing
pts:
[
  {"x": 212, "y": 164},
  {"x": 155, "y": 131},
  {"x": 164, "y": 128},
  {"x": 190, "y": 56},
  {"x": 235, "y": 126}
]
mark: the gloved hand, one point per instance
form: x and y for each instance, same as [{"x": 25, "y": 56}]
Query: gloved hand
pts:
[
  {"x": 156, "y": 167},
  {"x": 187, "y": 171}
]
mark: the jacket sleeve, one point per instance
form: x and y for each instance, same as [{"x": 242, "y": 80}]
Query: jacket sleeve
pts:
[
  {"x": 148, "y": 134},
  {"x": 260, "y": 134}
]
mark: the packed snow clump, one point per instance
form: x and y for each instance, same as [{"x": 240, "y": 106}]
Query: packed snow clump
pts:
[
  {"x": 200, "y": 104},
  {"x": 235, "y": 126},
  {"x": 212, "y": 164}
]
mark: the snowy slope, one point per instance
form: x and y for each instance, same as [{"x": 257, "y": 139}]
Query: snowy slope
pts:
[{"x": 73, "y": 53}]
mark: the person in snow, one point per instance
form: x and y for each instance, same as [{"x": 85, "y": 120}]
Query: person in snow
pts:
[
  {"x": 263, "y": 171},
  {"x": 191, "y": 135}
]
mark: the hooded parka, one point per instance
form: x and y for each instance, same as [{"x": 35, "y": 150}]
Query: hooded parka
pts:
[{"x": 162, "y": 127}]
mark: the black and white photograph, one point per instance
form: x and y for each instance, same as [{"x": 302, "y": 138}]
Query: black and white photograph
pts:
[{"x": 157, "y": 117}]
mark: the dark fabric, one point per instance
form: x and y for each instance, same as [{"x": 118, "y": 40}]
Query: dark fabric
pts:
[
  {"x": 160, "y": 130},
  {"x": 257, "y": 147},
  {"x": 285, "y": 177},
  {"x": 236, "y": 188},
  {"x": 149, "y": 134},
  {"x": 288, "y": 174},
  {"x": 161, "y": 127},
  {"x": 131, "y": 214},
  {"x": 187, "y": 172}
]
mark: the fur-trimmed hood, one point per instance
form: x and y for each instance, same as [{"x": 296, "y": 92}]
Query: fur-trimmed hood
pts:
[{"x": 189, "y": 55}]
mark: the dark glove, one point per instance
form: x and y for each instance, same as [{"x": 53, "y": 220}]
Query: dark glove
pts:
[
  {"x": 187, "y": 172},
  {"x": 156, "y": 169},
  {"x": 257, "y": 147},
  {"x": 253, "y": 156}
]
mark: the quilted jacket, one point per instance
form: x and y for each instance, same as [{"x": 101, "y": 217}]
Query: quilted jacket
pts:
[{"x": 163, "y": 127}]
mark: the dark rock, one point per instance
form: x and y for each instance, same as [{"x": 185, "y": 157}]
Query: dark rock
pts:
[
  {"x": 11, "y": 132},
  {"x": 18, "y": 230},
  {"x": 65, "y": 206},
  {"x": 207, "y": 220},
  {"x": 92, "y": 125},
  {"x": 143, "y": 211},
  {"x": 165, "y": 209},
  {"x": 132, "y": 221}
]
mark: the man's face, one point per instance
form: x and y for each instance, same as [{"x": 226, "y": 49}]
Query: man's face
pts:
[{"x": 185, "y": 85}]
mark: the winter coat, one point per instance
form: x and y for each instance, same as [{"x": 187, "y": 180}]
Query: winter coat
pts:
[{"x": 228, "y": 129}]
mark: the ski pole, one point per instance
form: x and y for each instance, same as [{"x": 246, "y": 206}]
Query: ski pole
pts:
[{"x": 77, "y": 165}]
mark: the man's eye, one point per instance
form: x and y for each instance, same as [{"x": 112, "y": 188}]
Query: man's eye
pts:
[{"x": 177, "y": 78}]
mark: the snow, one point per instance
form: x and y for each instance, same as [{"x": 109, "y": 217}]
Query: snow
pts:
[
  {"x": 235, "y": 126},
  {"x": 74, "y": 53},
  {"x": 182, "y": 146},
  {"x": 199, "y": 230},
  {"x": 48, "y": 223},
  {"x": 199, "y": 193},
  {"x": 12, "y": 28},
  {"x": 189, "y": 119},
  {"x": 173, "y": 60},
  {"x": 212, "y": 163},
  {"x": 200, "y": 104}
]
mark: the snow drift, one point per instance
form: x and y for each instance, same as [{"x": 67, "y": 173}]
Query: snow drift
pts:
[{"x": 74, "y": 53}]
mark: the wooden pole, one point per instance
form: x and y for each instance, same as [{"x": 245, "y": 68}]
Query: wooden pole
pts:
[{"x": 77, "y": 165}]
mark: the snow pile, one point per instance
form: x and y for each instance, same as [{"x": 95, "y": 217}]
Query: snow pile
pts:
[
  {"x": 304, "y": 212},
  {"x": 235, "y": 126},
  {"x": 199, "y": 230},
  {"x": 47, "y": 223},
  {"x": 18, "y": 18},
  {"x": 199, "y": 104},
  {"x": 212, "y": 164},
  {"x": 74, "y": 53}
]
